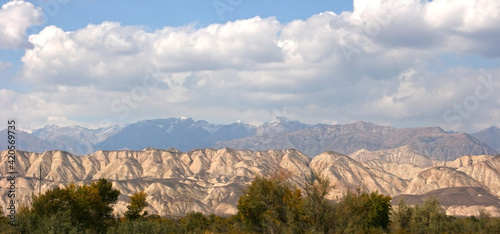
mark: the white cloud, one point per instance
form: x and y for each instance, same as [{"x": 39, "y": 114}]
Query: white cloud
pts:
[
  {"x": 373, "y": 64},
  {"x": 15, "y": 18}
]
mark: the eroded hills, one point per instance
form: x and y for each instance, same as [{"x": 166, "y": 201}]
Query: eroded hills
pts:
[{"x": 211, "y": 180}]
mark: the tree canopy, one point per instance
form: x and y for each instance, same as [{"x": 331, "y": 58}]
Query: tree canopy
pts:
[{"x": 89, "y": 206}]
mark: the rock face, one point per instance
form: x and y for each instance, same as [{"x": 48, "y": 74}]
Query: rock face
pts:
[{"x": 211, "y": 180}]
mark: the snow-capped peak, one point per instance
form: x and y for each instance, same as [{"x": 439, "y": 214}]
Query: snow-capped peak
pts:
[{"x": 26, "y": 129}]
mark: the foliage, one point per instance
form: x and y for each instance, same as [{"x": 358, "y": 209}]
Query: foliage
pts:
[
  {"x": 87, "y": 207},
  {"x": 145, "y": 226},
  {"x": 137, "y": 205},
  {"x": 195, "y": 222},
  {"x": 318, "y": 210},
  {"x": 269, "y": 205},
  {"x": 4, "y": 225},
  {"x": 401, "y": 217},
  {"x": 365, "y": 211},
  {"x": 428, "y": 217}
]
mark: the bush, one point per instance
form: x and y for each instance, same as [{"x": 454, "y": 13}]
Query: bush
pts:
[
  {"x": 85, "y": 207},
  {"x": 363, "y": 211},
  {"x": 137, "y": 205},
  {"x": 270, "y": 205},
  {"x": 428, "y": 217}
]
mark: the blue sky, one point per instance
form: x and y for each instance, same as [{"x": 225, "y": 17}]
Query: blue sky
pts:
[
  {"x": 401, "y": 63},
  {"x": 71, "y": 15},
  {"x": 158, "y": 14}
]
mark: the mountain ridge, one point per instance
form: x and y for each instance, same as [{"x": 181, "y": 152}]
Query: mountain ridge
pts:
[
  {"x": 490, "y": 136},
  {"x": 281, "y": 133}
]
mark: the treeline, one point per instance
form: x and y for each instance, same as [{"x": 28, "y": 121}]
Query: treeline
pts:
[{"x": 268, "y": 205}]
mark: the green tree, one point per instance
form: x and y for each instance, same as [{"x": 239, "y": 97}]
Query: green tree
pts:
[
  {"x": 428, "y": 217},
  {"x": 270, "y": 205},
  {"x": 54, "y": 201},
  {"x": 89, "y": 207},
  {"x": 137, "y": 205},
  {"x": 195, "y": 222},
  {"x": 401, "y": 217},
  {"x": 97, "y": 202},
  {"x": 318, "y": 210},
  {"x": 362, "y": 211},
  {"x": 4, "y": 225}
]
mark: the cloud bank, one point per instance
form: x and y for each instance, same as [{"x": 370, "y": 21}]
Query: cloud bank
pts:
[{"x": 387, "y": 62}]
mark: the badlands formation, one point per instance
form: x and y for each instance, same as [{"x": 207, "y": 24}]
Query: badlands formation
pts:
[{"x": 211, "y": 181}]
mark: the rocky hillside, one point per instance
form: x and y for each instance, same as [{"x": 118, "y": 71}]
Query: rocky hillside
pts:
[{"x": 211, "y": 181}]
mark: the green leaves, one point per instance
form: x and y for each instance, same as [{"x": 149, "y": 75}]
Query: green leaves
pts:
[
  {"x": 269, "y": 204},
  {"x": 137, "y": 204},
  {"x": 366, "y": 211},
  {"x": 88, "y": 206}
]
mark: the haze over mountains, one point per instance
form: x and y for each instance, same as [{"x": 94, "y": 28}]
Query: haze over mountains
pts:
[
  {"x": 185, "y": 134},
  {"x": 490, "y": 136}
]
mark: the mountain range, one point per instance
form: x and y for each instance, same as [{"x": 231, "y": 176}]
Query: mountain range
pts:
[
  {"x": 490, "y": 136},
  {"x": 212, "y": 180},
  {"x": 185, "y": 134}
]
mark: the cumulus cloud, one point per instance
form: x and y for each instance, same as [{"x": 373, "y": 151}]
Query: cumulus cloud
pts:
[
  {"x": 372, "y": 64},
  {"x": 15, "y": 18}
]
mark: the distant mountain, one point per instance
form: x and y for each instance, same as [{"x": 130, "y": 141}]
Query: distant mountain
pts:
[
  {"x": 490, "y": 136},
  {"x": 180, "y": 133},
  {"x": 430, "y": 141},
  {"x": 281, "y": 125},
  {"x": 281, "y": 133},
  {"x": 26, "y": 141},
  {"x": 75, "y": 139}
]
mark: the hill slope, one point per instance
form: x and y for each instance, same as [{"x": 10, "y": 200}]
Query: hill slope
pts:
[{"x": 211, "y": 181}]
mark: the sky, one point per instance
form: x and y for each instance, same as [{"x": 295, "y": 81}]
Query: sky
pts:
[{"x": 404, "y": 63}]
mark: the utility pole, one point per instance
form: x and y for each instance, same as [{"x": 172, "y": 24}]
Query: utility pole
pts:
[{"x": 40, "y": 184}]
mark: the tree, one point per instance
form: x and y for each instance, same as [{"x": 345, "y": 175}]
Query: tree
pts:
[
  {"x": 428, "y": 217},
  {"x": 89, "y": 207},
  {"x": 402, "y": 216},
  {"x": 363, "y": 211},
  {"x": 4, "y": 226},
  {"x": 270, "y": 205},
  {"x": 318, "y": 210},
  {"x": 55, "y": 201},
  {"x": 195, "y": 222},
  {"x": 137, "y": 205}
]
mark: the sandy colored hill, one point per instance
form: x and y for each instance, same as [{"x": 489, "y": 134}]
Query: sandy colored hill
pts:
[{"x": 211, "y": 181}]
